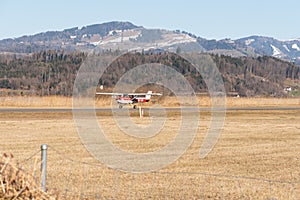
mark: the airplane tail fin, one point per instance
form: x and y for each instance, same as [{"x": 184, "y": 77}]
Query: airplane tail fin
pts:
[{"x": 148, "y": 95}]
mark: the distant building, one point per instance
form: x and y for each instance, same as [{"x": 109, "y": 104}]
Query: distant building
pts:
[{"x": 288, "y": 89}]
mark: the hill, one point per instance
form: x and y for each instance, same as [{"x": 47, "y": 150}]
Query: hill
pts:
[
  {"x": 119, "y": 34},
  {"x": 54, "y": 72}
]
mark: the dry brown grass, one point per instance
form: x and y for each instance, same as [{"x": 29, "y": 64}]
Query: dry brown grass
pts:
[
  {"x": 204, "y": 101},
  {"x": 35, "y": 101},
  {"x": 15, "y": 183},
  {"x": 264, "y": 145}
]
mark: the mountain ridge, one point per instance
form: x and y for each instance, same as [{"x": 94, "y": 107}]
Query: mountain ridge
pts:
[{"x": 118, "y": 34}]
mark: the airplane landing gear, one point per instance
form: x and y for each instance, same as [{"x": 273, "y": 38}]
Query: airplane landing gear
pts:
[
  {"x": 134, "y": 106},
  {"x": 120, "y": 106}
]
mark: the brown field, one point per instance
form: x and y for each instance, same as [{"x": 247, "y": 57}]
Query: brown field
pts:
[
  {"x": 256, "y": 157},
  {"x": 203, "y": 101}
]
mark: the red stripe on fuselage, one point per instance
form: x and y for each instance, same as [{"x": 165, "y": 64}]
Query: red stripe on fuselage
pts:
[{"x": 143, "y": 100}]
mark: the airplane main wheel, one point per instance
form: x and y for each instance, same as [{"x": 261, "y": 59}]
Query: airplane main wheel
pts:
[
  {"x": 120, "y": 106},
  {"x": 134, "y": 106}
]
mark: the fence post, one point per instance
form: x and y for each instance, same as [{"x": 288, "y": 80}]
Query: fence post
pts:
[{"x": 44, "y": 148}]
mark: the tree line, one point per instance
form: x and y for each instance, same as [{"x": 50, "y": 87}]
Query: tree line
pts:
[{"x": 53, "y": 72}]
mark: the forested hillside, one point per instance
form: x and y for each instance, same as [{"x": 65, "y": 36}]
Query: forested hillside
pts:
[
  {"x": 54, "y": 72},
  {"x": 44, "y": 73}
]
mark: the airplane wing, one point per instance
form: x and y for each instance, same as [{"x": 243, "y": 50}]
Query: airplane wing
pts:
[
  {"x": 152, "y": 94},
  {"x": 110, "y": 93},
  {"x": 131, "y": 94},
  {"x": 156, "y": 94}
]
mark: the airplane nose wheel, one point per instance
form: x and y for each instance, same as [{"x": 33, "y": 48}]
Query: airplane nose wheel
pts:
[{"x": 120, "y": 106}]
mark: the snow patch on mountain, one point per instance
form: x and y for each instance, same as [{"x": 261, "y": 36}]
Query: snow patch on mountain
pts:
[
  {"x": 295, "y": 46},
  {"x": 129, "y": 37},
  {"x": 118, "y": 36},
  {"x": 276, "y": 51},
  {"x": 171, "y": 39},
  {"x": 249, "y": 41},
  {"x": 229, "y": 41},
  {"x": 168, "y": 40},
  {"x": 286, "y": 48}
]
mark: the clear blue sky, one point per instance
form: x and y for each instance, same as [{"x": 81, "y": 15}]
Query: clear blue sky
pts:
[{"x": 210, "y": 19}]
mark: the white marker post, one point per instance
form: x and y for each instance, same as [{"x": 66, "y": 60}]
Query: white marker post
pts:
[
  {"x": 44, "y": 148},
  {"x": 141, "y": 111}
]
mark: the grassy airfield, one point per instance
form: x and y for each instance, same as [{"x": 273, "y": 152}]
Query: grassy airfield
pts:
[{"x": 256, "y": 157}]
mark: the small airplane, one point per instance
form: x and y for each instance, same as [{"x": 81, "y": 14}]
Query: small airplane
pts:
[{"x": 130, "y": 98}]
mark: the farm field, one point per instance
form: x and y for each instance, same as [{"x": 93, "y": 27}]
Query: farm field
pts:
[
  {"x": 256, "y": 156},
  {"x": 203, "y": 101}
]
